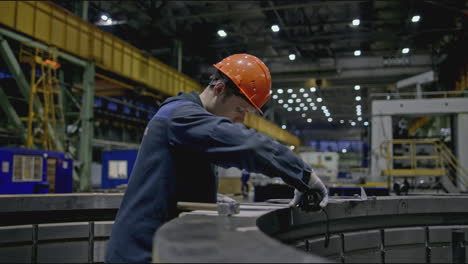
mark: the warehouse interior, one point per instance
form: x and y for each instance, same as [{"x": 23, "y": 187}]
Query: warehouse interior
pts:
[{"x": 373, "y": 95}]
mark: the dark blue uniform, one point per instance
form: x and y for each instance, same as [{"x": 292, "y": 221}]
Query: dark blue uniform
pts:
[{"x": 175, "y": 162}]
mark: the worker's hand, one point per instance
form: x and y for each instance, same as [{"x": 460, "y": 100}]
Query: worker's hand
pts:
[{"x": 315, "y": 184}]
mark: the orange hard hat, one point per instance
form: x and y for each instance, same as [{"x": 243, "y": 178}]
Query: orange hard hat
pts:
[{"x": 250, "y": 75}]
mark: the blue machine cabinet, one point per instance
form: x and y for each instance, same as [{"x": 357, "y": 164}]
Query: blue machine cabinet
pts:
[
  {"x": 27, "y": 171},
  {"x": 117, "y": 166}
]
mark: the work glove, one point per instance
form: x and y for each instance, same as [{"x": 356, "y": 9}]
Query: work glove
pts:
[{"x": 316, "y": 185}]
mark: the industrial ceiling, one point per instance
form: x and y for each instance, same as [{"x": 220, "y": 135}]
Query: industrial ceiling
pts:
[{"x": 326, "y": 57}]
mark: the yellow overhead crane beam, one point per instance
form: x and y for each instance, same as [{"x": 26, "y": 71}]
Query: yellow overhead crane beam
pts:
[{"x": 60, "y": 28}]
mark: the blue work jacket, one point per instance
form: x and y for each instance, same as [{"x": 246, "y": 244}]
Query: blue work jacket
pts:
[{"x": 180, "y": 148}]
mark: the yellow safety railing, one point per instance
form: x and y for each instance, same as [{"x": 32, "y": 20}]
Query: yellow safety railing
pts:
[
  {"x": 57, "y": 27},
  {"x": 444, "y": 160}
]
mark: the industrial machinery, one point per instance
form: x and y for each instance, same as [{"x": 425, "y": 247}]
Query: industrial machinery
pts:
[
  {"x": 26, "y": 171},
  {"x": 117, "y": 166}
]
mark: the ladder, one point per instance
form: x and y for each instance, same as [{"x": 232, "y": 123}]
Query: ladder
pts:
[{"x": 44, "y": 90}]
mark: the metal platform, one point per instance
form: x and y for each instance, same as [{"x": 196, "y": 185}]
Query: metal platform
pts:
[{"x": 75, "y": 228}]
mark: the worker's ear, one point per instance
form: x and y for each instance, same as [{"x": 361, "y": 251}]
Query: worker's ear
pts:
[{"x": 219, "y": 89}]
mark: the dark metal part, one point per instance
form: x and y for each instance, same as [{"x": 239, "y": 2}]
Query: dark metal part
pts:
[
  {"x": 382, "y": 246},
  {"x": 91, "y": 242},
  {"x": 458, "y": 246},
  {"x": 342, "y": 253},
  {"x": 427, "y": 244},
  {"x": 35, "y": 231}
]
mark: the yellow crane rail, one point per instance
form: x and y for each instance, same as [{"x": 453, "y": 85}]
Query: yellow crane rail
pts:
[{"x": 58, "y": 27}]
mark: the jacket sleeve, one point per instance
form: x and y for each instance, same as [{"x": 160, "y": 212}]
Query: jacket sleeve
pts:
[{"x": 226, "y": 144}]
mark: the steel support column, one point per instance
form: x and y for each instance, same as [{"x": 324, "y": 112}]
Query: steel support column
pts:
[
  {"x": 87, "y": 126},
  {"x": 14, "y": 67},
  {"x": 461, "y": 145},
  {"x": 381, "y": 132},
  {"x": 11, "y": 114}
]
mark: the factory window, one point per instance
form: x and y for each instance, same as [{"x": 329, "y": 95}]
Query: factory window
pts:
[
  {"x": 118, "y": 169},
  {"x": 27, "y": 168}
]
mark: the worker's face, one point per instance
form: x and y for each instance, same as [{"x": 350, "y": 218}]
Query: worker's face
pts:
[{"x": 233, "y": 107}]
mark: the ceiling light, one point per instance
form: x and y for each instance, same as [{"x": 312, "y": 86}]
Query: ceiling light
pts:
[
  {"x": 306, "y": 95},
  {"x": 357, "y": 53},
  {"x": 293, "y": 95},
  {"x": 327, "y": 114},
  {"x": 275, "y": 28},
  {"x": 104, "y": 17},
  {"x": 314, "y": 108},
  {"x": 303, "y": 115},
  {"x": 323, "y": 107},
  {"x": 356, "y": 22},
  {"x": 280, "y": 101},
  {"x": 305, "y": 108},
  {"x": 366, "y": 123},
  {"x": 358, "y": 106},
  {"x": 415, "y": 18},
  {"x": 285, "y": 105},
  {"x": 290, "y": 101},
  {"x": 283, "y": 126},
  {"x": 313, "y": 89},
  {"x": 275, "y": 96},
  {"x": 222, "y": 33},
  {"x": 298, "y": 109},
  {"x": 302, "y": 105},
  {"x": 357, "y": 87},
  {"x": 359, "y": 119},
  {"x": 290, "y": 91},
  {"x": 298, "y": 100},
  {"x": 289, "y": 109},
  {"x": 405, "y": 50},
  {"x": 358, "y": 98},
  {"x": 353, "y": 123},
  {"x": 309, "y": 120},
  {"x": 301, "y": 90},
  {"x": 330, "y": 119},
  {"x": 341, "y": 121},
  {"x": 319, "y": 99},
  {"x": 280, "y": 91},
  {"x": 344, "y": 151},
  {"x": 309, "y": 100},
  {"x": 292, "y": 57}
]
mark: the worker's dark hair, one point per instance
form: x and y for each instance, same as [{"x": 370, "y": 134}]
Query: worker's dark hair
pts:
[{"x": 231, "y": 88}]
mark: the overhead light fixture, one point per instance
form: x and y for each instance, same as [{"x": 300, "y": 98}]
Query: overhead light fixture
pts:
[
  {"x": 104, "y": 17},
  {"x": 290, "y": 90},
  {"x": 309, "y": 100},
  {"x": 280, "y": 101},
  {"x": 292, "y": 57},
  {"x": 353, "y": 123},
  {"x": 303, "y": 115},
  {"x": 283, "y": 126},
  {"x": 306, "y": 95},
  {"x": 327, "y": 114},
  {"x": 297, "y": 109},
  {"x": 275, "y": 28},
  {"x": 415, "y": 18},
  {"x": 289, "y": 109},
  {"x": 341, "y": 121},
  {"x": 314, "y": 108},
  {"x": 366, "y": 123},
  {"x": 344, "y": 151},
  {"x": 290, "y": 101},
  {"x": 298, "y": 100},
  {"x": 323, "y": 107},
  {"x": 319, "y": 99},
  {"x": 305, "y": 108},
  {"x": 293, "y": 95},
  {"x": 275, "y": 96},
  {"x": 405, "y": 50},
  {"x": 309, "y": 120},
  {"x": 313, "y": 89},
  {"x": 358, "y": 98},
  {"x": 222, "y": 33},
  {"x": 359, "y": 119},
  {"x": 285, "y": 105},
  {"x": 301, "y": 90},
  {"x": 356, "y": 22},
  {"x": 357, "y": 53},
  {"x": 280, "y": 91},
  {"x": 357, "y": 87},
  {"x": 302, "y": 105},
  {"x": 330, "y": 119},
  {"x": 358, "y": 106}
]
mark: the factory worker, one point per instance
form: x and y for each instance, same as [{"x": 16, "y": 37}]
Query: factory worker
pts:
[{"x": 187, "y": 138}]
